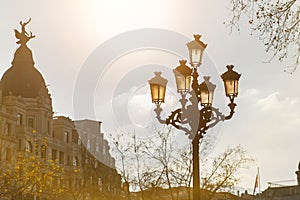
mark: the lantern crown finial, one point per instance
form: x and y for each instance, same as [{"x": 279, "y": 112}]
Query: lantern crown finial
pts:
[
  {"x": 197, "y": 39},
  {"x": 230, "y": 67},
  {"x": 158, "y": 79},
  {"x": 158, "y": 73},
  {"x": 206, "y": 78},
  {"x": 183, "y": 69},
  {"x": 230, "y": 74},
  {"x": 182, "y": 62}
]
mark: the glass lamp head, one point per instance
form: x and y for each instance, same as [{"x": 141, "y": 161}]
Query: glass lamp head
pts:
[
  {"x": 206, "y": 90},
  {"x": 196, "y": 49},
  {"x": 183, "y": 77},
  {"x": 231, "y": 81},
  {"x": 158, "y": 88}
]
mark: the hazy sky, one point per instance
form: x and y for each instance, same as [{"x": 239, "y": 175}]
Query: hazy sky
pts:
[{"x": 68, "y": 34}]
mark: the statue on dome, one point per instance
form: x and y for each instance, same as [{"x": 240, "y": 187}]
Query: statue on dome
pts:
[{"x": 23, "y": 37}]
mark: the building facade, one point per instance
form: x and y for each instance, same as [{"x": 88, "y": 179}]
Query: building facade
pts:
[
  {"x": 278, "y": 192},
  {"x": 27, "y": 123}
]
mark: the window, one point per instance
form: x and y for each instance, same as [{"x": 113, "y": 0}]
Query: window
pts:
[
  {"x": 20, "y": 145},
  {"x": 19, "y": 121},
  {"x": 8, "y": 154},
  {"x": 28, "y": 146},
  {"x": 43, "y": 151},
  {"x": 88, "y": 145},
  {"x": 97, "y": 147},
  {"x": 68, "y": 160},
  {"x": 61, "y": 157},
  {"x": 54, "y": 154},
  {"x": 104, "y": 150},
  {"x": 74, "y": 137},
  {"x": 48, "y": 127},
  {"x": 7, "y": 129},
  {"x": 66, "y": 136},
  {"x": 75, "y": 161},
  {"x": 30, "y": 122},
  {"x": 100, "y": 184}
]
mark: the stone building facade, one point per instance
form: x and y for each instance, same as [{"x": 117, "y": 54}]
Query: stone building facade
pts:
[{"x": 26, "y": 119}]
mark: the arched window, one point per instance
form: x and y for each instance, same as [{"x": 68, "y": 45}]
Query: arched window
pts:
[
  {"x": 100, "y": 184},
  {"x": 88, "y": 144},
  {"x": 75, "y": 161},
  {"x": 43, "y": 151},
  {"x": 97, "y": 147},
  {"x": 28, "y": 146}
]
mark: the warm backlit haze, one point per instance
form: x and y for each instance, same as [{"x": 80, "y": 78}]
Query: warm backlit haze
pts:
[{"x": 267, "y": 118}]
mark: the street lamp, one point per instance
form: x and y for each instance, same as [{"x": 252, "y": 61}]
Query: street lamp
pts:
[
  {"x": 158, "y": 88},
  {"x": 195, "y": 120}
]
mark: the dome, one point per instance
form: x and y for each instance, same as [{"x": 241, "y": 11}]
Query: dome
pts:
[{"x": 22, "y": 78}]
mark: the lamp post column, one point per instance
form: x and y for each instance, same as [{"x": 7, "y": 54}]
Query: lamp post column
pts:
[
  {"x": 198, "y": 120},
  {"x": 196, "y": 174}
]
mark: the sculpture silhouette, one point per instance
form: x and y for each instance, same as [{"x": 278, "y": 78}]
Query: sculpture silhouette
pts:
[{"x": 23, "y": 37}]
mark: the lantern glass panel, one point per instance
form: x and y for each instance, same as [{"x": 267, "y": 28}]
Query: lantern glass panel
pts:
[
  {"x": 183, "y": 83},
  {"x": 161, "y": 94},
  {"x": 196, "y": 56},
  {"x": 204, "y": 95},
  {"x": 154, "y": 92},
  {"x": 157, "y": 93},
  {"x": 231, "y": 87}
]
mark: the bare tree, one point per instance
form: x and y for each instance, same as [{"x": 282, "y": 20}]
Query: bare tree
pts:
[
  {"x": 221, "y": 175},
  {"x": 161, "y": 149},
  {"x": 160, "y": 162},
  {"x": 125, "y": 150},
  {"x": 277, "y": 23},
  {"x": 183, "y": 171}
]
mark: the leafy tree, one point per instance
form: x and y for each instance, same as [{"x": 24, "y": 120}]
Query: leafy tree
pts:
[
  {"x": 31, "y": 176},
  {"x": 277, "y": 23}
]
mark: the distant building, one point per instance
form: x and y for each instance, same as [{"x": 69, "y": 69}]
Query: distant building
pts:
[
  {"x": 26, "y": 119},
  {"x": 282, "y": 193},
  {"x": 278, "y": 192}
]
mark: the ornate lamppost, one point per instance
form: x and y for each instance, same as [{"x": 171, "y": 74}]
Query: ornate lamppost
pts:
[{"x": 193, "y": 118}]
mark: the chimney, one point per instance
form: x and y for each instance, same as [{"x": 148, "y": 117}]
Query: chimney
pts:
[{"x": 100, "y": 122}]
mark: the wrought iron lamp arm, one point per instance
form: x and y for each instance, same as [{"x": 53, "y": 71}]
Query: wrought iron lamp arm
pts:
[
  {"x": 217, "y": 116},
  {"x": 231, "y": 106},
  {"x": 174, "y": 119},
  {"x": 158, "y": 110}
]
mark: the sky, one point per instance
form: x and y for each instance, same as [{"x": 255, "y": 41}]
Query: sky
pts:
[{"x": 96, "y": 57}]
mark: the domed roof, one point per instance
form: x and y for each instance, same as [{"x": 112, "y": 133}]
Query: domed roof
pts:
[{"x": 22, "y": 78}]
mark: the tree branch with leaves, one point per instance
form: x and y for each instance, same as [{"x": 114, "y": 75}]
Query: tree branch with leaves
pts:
[{"x": 277, "y": 23}]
